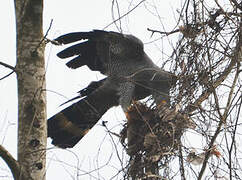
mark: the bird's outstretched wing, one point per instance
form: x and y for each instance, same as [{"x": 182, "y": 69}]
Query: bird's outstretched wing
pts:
[{"x": 100, "y": 49}]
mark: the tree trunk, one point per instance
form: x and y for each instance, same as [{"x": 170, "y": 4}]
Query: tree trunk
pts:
[{"x": 30, "y": 70}]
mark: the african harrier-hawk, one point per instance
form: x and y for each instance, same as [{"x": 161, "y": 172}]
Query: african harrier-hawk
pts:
[{"x": 131, "y": 75}]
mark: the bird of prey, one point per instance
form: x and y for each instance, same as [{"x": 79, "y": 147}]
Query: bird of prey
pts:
[{"x": 130, "y": 75}]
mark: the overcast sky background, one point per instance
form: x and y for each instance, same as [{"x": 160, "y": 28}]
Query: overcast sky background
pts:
[{"x": 97, "y": 148}]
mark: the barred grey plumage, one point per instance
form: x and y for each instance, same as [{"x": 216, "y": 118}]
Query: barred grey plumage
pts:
[{"x": 131, "y": 75}]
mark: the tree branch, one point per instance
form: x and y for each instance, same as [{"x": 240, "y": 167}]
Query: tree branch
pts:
[
  {"x": 8, "y": 66},
  {"x": 45, "y": 36},
  {"x": 236, "y": 58},
  {"x": 6, "y": 75},
  {"x": 162, "y": 32},
  {"x": 12, "y": 163}
]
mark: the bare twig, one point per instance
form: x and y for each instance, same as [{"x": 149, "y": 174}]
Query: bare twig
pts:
[
  {"x": 223, "y": 116},
  {"x": 124, "y": 14},
  {"x": 162, "y": 32},
  {"x": 181, "y": 162},
  {"x": 6, "y": 75},
  {"x": 44, "y": 38},
  {"x": 8, "y": 66}
]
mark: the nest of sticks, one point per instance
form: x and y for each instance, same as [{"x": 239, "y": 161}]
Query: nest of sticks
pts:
[{"x": 151, "y": 134}]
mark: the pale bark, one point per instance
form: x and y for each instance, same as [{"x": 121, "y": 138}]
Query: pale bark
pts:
[{"x": 30, "y": 70}]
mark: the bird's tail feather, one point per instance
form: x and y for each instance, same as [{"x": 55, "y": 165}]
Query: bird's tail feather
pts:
[{"x": 67, "y": 127}]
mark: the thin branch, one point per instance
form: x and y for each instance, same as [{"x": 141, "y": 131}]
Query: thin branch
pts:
[
  {"x": 221, "y": 122},
  {"x": 222, "y": 118},
  {"x": 6, "y": 75},
  {"x": 237, "y": 57},
  {"x": 233, "y": 139},
  {"x": 44, "y": 38},
  {"x": 182, "y": 169},
  {"x": 8, "y": 66},
  {"x": 124, "y": 14},
  {"x": 237, "y": 4},
  {"x": 162, "y": 32}
]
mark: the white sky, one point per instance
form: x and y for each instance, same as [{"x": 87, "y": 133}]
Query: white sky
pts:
[{"x": 77, "y": 15}]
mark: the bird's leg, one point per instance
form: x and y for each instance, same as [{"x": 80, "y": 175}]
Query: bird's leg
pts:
[{"x": 126, "y": 93}]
